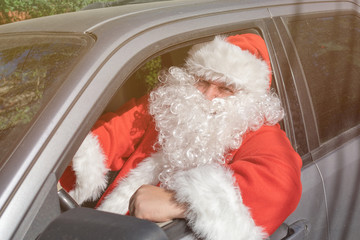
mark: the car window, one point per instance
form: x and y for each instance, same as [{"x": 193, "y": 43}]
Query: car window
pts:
[
  {"x": 31, "y": 69},
  {"x": 329, "y": 50},
  {"x": 145, "y": 78}
]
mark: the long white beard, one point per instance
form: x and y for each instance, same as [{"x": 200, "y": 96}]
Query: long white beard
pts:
[{"x": 194, "y": 131}]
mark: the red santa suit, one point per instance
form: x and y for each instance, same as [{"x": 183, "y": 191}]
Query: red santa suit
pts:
[{"x": 247, "y": 197}]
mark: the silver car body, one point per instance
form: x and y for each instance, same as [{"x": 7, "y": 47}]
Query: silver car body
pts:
[{"x": 125, "y": 37}]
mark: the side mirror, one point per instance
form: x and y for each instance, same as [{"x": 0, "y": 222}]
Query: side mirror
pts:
[{"x": 90, "y": 224}]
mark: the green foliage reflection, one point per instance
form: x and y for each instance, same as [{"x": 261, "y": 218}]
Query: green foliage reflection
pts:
[
  {"x": 39, "y": 8},
  {"x": 26, "y": 72},
  {"x": 150, "y": 72}
]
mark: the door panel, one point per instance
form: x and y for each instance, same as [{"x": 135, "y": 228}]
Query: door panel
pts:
[
  {"x": 312, "y": 206},
  {"x": 341, "y": 173}
]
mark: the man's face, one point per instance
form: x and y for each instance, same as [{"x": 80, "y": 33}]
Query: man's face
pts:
[{"x": 212, "y": 89}]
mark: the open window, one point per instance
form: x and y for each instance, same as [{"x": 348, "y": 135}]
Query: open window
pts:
[{"x": 143, "y": 81}]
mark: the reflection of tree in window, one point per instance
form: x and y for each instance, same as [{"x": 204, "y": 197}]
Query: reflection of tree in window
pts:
[
  {"x": 31, "y": 69},
  {"x": 26, "y": 73}
]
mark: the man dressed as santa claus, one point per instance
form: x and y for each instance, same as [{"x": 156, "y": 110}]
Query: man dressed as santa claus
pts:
[{"x": 204, "y": 145}]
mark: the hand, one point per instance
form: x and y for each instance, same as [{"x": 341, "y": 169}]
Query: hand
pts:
[{"x": 155, "y": 204}]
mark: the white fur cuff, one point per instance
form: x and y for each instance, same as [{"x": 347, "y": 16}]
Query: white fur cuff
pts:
[
  {"x": 90, "y": 170},
  {"x": 215, "y": 208},
  {"x": 145, "y": 173}
]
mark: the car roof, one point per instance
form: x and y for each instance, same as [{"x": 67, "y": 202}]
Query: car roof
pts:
[{"x": 91, "y": 20}]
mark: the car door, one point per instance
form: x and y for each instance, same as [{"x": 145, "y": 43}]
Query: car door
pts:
[
  {"x": 119, "y": 49},
  {"x": 331, "y": 71},
  {"x": 294, "y": 125},
  {"x": 325, "y": 50}
]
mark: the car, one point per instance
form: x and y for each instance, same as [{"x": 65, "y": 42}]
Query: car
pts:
[{"x": 60, "y": 73}]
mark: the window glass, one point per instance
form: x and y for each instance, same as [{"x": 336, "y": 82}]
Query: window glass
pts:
[
  {"x": 31, "y": 69},
  {"x": 329, "y": 50},
  {"x": 146, "y": 77}
]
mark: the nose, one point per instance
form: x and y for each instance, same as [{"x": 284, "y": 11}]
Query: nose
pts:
[{"x": 210, "y": 92}]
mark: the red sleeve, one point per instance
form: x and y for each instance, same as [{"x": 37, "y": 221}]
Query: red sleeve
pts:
[
  {"x": 119, "y": 133},
  {"x": 68, "y": 179},
  {"x": 268, "y": 170}
]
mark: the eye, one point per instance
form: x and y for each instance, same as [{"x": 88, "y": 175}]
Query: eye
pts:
[
  {"x": 227, "y": 90},
  {"x": 202, "y": 83}
]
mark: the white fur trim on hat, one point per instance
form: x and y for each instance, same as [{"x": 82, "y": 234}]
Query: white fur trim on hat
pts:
[
  {"x": 90, "y": 170},
  {"x": 222, "y": 61},
  {"x": 215, "y": 207},
  {"x": 145, "y": 173}
]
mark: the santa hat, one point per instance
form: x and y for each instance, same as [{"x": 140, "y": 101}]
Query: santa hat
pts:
[{"x": 240, "y": 60}]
